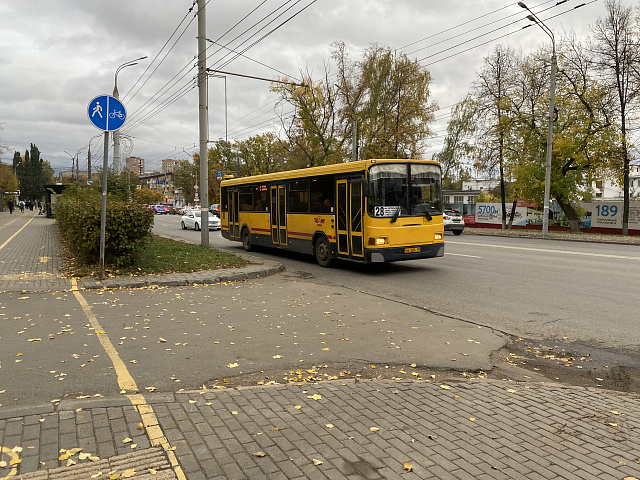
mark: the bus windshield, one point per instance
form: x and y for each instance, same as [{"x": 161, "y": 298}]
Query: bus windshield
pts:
[{"x": 404, "y": 189}]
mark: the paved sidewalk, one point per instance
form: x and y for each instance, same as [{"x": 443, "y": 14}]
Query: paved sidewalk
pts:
[
  {"x": 428, "y": 429},
  {"x": 344, "y": 430}
]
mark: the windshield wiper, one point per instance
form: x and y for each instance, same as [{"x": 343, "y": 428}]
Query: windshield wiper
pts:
[
  {"x": 395, "y": 215},
  {"x": 427, "y": 214}
]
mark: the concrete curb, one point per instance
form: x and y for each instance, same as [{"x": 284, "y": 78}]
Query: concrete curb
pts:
[{"x": 259, "y": 268}]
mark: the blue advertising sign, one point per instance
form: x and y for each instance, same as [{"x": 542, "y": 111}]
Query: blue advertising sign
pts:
[{"x": 106, "y": 113}]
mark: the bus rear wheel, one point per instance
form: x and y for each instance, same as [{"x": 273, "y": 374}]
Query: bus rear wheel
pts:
[
  {"x": 323, "y": 252},
  {"x": 246, "y": 240}
]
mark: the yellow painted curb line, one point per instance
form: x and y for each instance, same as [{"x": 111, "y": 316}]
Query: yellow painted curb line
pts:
[
  {"x": 126, "y": 382},
  {"x": 11, "y": 238}
]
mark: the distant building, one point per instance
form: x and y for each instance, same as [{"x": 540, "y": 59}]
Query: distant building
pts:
[
  {"x": 464, "y": 201},
  {"x": 480, "y": 184},
  {"x": 169, "y": 165},
  {"x": 607, "y": 190},
  {"x": 135, "y": 165}
]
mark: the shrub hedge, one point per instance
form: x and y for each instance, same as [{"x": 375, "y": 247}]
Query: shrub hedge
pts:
[{"x": 78, "y": 214}]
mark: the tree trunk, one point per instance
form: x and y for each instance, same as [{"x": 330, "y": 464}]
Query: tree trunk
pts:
[
  {"x": 571, "y": 214},
  {"x": 513, "y": 213}
]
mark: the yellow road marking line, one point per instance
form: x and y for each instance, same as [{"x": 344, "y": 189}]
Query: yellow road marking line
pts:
[
  {"x": 13, "y": 456},
  {"x": 546, "y": 250},
  {"x": 126, "y": 382},
  {"x": 11, "y": 237}
]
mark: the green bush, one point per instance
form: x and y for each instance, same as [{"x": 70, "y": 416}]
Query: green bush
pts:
[{"x": 78, "y": 215}]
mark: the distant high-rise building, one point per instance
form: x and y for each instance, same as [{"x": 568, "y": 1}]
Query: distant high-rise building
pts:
[
  {"x": 135, "y": 165},
  {"x": 168, "y": 165}
]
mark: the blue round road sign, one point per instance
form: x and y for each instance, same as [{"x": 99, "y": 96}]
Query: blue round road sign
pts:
[{"x": 106, "y": 113}]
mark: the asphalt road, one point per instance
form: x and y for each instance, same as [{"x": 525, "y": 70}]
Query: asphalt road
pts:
[{"x": 541, "y": 290}]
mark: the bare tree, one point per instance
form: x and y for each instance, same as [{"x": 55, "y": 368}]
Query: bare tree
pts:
[
  {"x": 494, "y": 91},
  {"x": 616, "y": 55}
]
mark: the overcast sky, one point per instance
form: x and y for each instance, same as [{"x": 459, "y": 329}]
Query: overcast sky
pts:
[{"x": 57, "y": 55}]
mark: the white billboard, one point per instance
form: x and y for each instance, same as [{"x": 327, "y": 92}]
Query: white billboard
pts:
[
  {"x": 609, "y": 214},
  {"x": 492, "y": 213}
]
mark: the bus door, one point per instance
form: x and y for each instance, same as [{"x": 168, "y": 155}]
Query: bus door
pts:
[
  {"x": 279, "y": 215},
  {"x": 234, "y": 210},
  {"x": 349, "y": 204}
]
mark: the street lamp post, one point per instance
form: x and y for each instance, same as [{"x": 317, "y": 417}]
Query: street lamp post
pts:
[
  {"x": 75, "y": 158},
  {"x": 89, "y": 157},
  {"x": 116, "y": 134},
  {"x": 552, "y": 98}
]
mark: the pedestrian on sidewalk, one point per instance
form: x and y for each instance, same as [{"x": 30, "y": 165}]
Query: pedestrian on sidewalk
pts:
[
  {"x": 21, "y": 205},
  {"x": 40, "y": 207},
  {"x": 10, "y": 205}
]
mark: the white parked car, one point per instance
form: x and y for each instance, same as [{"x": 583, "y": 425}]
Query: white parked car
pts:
[
  {"x": 192, "y": 219},
  {"x": 453, "y": 221}
]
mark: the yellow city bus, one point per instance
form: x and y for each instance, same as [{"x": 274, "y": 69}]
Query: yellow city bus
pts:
[{"x": 364, "y": 211}]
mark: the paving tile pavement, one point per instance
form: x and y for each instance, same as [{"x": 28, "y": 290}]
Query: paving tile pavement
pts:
[
  {"x": 30, "y": 253},
  {"x": 370, "y": 430}
]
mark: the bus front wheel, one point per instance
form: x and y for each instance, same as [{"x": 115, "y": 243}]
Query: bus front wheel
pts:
[
  {"x": 246, "y": 240},
  {"x": 323, "y": 252}
]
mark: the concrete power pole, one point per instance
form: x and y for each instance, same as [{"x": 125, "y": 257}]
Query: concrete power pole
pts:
[{"x": 203, "y": 124}]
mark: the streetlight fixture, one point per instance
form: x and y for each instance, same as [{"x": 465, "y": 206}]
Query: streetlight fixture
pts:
[
  {"x": 552, "y": 98},
  {"x": 116, "y": 134}
]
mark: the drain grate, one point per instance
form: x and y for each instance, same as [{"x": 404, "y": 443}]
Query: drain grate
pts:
[{"x": 141, "y": 462}]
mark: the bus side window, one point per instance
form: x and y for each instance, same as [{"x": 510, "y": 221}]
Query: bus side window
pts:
[
  {"x": 299, "y": 196},
  {"x": 322, "y": 194},
  {"x": 260, "y": 198}
]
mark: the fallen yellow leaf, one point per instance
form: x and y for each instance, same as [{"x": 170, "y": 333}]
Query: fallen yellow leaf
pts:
[
  {"x": 374, "y": 429},
  {"x": 259, "y": 454},
  {"x": 317, "y": 462},
  {"x": 446, "y": 387},
  {"x": 408, "y": 467}
]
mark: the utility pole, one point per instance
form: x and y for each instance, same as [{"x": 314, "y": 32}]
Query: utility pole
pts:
[{"x": 202, "y": 124}]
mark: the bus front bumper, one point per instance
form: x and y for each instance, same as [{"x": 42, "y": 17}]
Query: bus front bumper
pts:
[{"x": 395, "y": 254}]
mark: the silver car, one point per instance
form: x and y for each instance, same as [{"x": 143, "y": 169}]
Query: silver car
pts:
[
  {"x": 192, "y": 219},
  {"x": 453, "y": 221}
]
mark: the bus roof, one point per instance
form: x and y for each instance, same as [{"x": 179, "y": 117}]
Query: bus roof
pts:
[{"x": 337, "y": 168}]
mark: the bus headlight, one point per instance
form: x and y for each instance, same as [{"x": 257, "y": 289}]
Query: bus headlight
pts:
[
  {"x": 437, "y": 236},
  {"x": 378, "y": 241}
]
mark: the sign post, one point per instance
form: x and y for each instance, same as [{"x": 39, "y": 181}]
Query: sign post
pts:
[{"x": 106, "y": 113}]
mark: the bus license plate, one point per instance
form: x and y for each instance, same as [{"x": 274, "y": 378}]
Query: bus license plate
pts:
[{"x": 412, "y": 250}]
